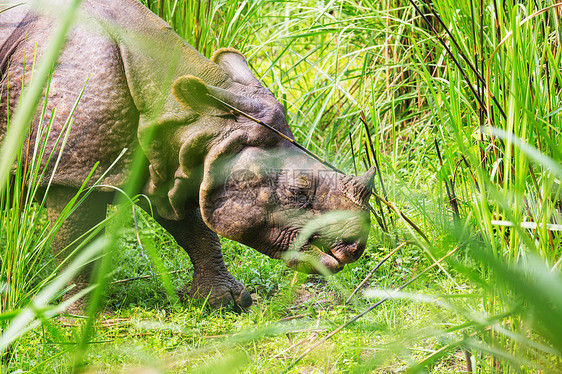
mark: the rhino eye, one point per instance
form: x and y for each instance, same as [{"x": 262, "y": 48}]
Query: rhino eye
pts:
[
  {"x": 303, "y": 182},
  {"x": 294, "y": 188},
  {"x": 300, "y": 185}
]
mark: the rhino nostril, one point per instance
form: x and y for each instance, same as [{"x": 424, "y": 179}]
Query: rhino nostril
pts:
[
  {"x": 348, "y": 251},
  {"x": 359, "y": 249},
  {"x": 345, "y": 250}
]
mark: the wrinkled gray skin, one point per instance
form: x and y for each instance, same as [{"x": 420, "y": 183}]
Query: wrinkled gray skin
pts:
[{"x": 210, "y": 171}]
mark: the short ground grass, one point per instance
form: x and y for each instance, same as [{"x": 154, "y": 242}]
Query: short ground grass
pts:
[{"x": 139, "y": 326}]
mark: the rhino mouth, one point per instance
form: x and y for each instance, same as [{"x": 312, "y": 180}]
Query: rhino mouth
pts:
[{"x": 331, "y": 255}]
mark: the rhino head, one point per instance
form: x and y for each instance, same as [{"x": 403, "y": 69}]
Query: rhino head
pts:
[
  {"x": 253, "y": 185},
  {"x": 267, "y": 203}
]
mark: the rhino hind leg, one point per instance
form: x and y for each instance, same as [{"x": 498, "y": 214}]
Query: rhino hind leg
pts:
[
  {"x": 86, "y": 215},
  {"x": 211, "y": 278}
]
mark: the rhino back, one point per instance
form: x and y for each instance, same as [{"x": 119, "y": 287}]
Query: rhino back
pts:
[
  {"x": 106, "y": 118},
  {"x": 10, "y": 20},
  {"x": 153, "y": 54}
]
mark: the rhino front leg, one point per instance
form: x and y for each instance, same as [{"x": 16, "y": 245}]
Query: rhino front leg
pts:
[{"x": 211, "y": 278}]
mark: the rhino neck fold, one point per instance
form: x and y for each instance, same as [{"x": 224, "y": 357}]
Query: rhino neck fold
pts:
[{"x": 188, "y": 160}]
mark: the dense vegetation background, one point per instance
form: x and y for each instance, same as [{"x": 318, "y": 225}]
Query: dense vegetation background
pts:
[{"x": 458, "y": 103}]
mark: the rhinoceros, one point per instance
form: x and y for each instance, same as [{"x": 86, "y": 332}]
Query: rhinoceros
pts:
[{"x": 209, "y": 169}]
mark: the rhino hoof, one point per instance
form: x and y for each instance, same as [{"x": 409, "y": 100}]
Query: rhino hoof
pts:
[
  {"x": 222, "y": 294},
  {"x": 238, "y": 302}
]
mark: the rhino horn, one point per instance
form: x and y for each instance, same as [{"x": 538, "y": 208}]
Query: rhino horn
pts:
[
  {"x": 358, "y": 189},
  {"x": 235, "y": 65},
  {"x": 368, "y": 179}
]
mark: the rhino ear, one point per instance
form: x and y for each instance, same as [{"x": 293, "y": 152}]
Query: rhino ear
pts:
[
  {"x": 194, "y": 94},
  {"x": 235, "y": 65}
]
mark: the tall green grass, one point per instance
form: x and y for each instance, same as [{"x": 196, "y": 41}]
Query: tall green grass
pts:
[
  {"x": 469, "y": 154},
  {"x": 463, "y": 113}
]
